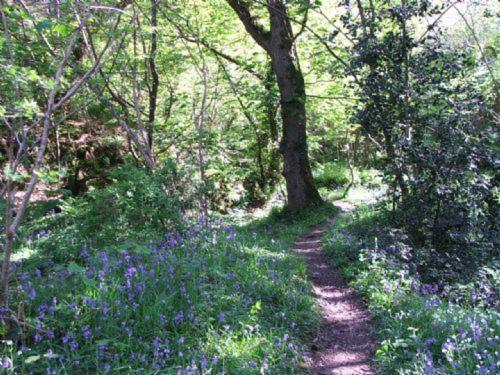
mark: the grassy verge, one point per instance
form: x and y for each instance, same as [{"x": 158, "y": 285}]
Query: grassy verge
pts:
[
  {"x": 420, "y": 331},
  {"x": 210, "y": 299}
]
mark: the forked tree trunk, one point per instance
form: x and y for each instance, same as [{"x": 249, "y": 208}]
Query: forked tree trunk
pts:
[{"x": 279, "y": 44}]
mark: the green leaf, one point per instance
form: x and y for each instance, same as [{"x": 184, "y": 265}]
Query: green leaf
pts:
[
  {"x": 44, "y": 25},
  {"x": 89, "y": 282},
  {"x": 32, "y": 359},
  {"x": 103, "y": 341},
  {"x": 32, "y": 75},
  {"x": 140, "y": 249},
  {"x": 257, "y": 306},
  {"x": 62, "y": 29},
  {"x": 75, "y": 268}
]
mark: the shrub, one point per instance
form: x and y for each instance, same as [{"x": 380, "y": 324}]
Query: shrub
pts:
[
  {"x": 138, "y": 204},
  {"x": 424, "y": 102},
  {"x": 370, "y": 178},
  {"x": 332, "y": 175}
]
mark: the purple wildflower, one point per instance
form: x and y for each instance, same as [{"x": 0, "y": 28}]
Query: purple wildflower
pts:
[
  {"x": 86, "y": 332},
  {"x": 68, "y": 337},
  {"x": 6, "y": 362},
  {"x": 222, "y": 317},
  {"x": 178, "y": 318},
  {"x": 73, "y": 345}
]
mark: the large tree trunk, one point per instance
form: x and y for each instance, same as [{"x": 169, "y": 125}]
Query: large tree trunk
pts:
[
  {"x": 279, "y": 44},
  {"x": 293, "y": 146}
]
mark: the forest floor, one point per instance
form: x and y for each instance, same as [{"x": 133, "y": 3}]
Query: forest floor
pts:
[{"x": 344, "y": 342}]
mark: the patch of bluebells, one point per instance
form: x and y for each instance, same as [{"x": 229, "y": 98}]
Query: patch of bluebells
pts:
[
  {"x": 169, "y": 306},
  {"x": 424, "y": 331}
]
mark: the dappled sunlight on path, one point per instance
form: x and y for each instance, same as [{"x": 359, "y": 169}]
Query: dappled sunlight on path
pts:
[{"x": 344, "y": 343}]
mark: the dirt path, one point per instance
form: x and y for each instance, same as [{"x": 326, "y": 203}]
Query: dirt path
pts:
[{"x": 344, "y": 343}]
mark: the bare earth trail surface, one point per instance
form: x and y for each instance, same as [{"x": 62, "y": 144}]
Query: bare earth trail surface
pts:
[{"x": 344, "y": 343}]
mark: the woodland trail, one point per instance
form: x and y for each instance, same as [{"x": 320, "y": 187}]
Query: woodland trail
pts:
[{"x": 344, "y": 343}]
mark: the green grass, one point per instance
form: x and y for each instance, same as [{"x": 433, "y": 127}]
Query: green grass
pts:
[
  {"x": 334, "y": 183},
  {"x": 332, "y": 175}
]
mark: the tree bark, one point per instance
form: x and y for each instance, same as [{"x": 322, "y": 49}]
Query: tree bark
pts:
[
  {"x": 9, "y": 244},
  {"x": 293, "y": 146},
  {"x": 279, "y": 44},
  {"x": 155, "y": 79},
  {"x": 272, "y": 106}
]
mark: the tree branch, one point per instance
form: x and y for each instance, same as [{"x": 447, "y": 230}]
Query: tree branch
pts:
[
  {"x": 225, "y": 56},
  {"x": 257, "y": 32}
]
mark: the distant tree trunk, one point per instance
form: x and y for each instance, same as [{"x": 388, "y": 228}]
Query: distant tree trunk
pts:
[
  {"x": 200, "y": 124},
  {"x": 9, "y": 245},
  {"x": 271, "y": 110},
  {"x": 199, "y": 120},
  {"x": 279, "y": 43},
  {"x": 270, "y": 103},
  {"x": 391, "y": 155},
  {"x": 155, "y": 80}
]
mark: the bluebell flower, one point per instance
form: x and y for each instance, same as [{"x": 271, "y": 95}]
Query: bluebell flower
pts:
[
  {"x": 50, "y": 334},
  {"x": 178, "y": 318},
  {"x": 156, "y": 342},
  {"x": 6, "y": 362},
  {"x": 204, "y": 363},
  {"x": 88, "y": 301},
  {"x": 222, "y": 317},
  {"x": 86, "y": 332},
  {"x": 68, "y": 337}
]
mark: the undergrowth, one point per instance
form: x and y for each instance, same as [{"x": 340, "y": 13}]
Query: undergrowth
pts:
[
  {"x": 422, "y": 328},
  {"x": 210, "y": 298}
]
